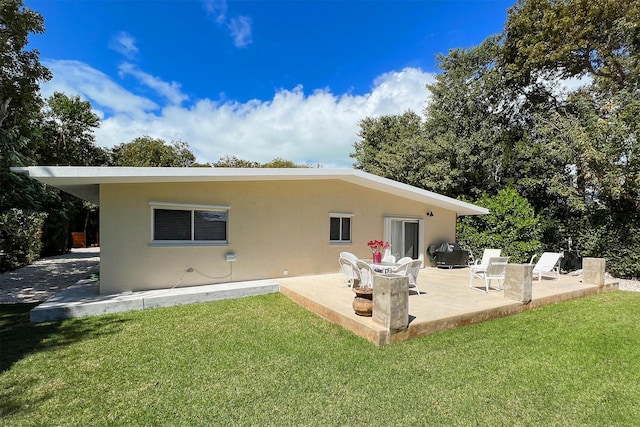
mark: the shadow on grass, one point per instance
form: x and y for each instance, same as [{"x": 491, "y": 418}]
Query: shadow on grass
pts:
[{"x": 19, "y": 337}]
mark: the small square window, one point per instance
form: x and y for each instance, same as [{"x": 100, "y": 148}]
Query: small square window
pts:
[{"x": 340, "y": 228}]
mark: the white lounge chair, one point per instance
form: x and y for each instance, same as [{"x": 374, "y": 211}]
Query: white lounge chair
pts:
[
  {"x": 495, "y": 270},
  {"x": 548, "y": 265}
]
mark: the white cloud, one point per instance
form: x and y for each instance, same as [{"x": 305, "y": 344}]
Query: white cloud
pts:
[
  {"x": 217, "y": 9},
  {"x": 171, "y": 91},
  {"x": 75, "y": 77},
  {"x": 316, "y": 127},
  {"x": 239, "y": 27},
  {"x": 125, "y": 44}
]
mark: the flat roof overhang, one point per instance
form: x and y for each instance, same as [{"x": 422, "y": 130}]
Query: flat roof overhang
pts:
[{"x": 84, "y": 181}]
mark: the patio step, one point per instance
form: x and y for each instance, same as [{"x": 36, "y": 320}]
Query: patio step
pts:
[{"x": 84, "y": 299}]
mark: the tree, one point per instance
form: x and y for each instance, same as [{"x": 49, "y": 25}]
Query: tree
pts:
[
  {"x": 146, "y": 151},
  {"x": 392, "y": 146},
  {"x": 282, "y": 163},
  {"x": 545, "y": 39},
  {"x": 469, "y": 124},
  {"x": 512, "y": 225},
  {"x": 234, "y": 162},
  {"x": 68, "y": 133},
  {"x": 20, "y": 75},
  {"x": 67, "y": 138},
  {"x": 20, "y": 104}
]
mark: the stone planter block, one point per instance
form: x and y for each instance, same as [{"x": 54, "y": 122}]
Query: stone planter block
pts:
[
  {"x": 593, "y": 271},
  {"x": 391, "y": 301},
  {"x": 518, "y": 282}
]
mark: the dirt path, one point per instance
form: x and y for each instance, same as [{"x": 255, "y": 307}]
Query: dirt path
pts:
[{"x": 48, "y": 276}]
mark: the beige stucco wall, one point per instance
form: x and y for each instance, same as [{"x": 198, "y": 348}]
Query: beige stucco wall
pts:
[{"x": 273, "y": 226}]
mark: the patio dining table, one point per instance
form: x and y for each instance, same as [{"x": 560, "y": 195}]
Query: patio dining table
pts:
[{"x": 381, "y": 267}]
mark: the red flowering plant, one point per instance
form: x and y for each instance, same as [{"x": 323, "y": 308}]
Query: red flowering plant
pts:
[{"x": 376, "y": 246}]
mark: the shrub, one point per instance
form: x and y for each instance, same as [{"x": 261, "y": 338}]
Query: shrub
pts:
[
  {"x": 511, "y": 226},
  {"x": 20, "y": 238},
  {"x": 615, "y": 237}
]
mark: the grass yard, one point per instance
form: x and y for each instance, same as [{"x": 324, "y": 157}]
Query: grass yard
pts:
[{"x": 267, "y": 361}]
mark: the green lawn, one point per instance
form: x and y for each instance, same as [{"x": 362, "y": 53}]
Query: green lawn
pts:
[{"x": 267, "y": 361}]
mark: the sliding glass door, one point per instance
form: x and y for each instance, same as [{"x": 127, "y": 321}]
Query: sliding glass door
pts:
[{"x": 405, "y": 236}]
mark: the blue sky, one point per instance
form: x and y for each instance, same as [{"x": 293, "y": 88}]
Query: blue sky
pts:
[{"x": 257, "y": 79}]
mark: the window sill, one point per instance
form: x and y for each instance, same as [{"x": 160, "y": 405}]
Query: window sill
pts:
[
  {"x": 176, "y": 244},
  {"x": 336, "y": 243}
]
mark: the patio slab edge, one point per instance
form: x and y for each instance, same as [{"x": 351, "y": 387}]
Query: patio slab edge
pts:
[
  {"x": 430, "y": 327},
  {"x": 83, "y": 299},
  {"x": 370, "y": 331}
]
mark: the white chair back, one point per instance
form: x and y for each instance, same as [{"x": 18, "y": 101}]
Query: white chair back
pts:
[
  {"x": 496, "y": 268},
  {"x": 350, "y": 271},
  {"x": 390, "y": 259},
  {"x": 488, "y": 254},
  {"x": 349, "y": 256},
  {"x": 404, "y": 260},
  {"x": 366, "y": 274}
]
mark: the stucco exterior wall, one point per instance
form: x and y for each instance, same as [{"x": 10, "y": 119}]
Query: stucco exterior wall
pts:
[{"x": 273, "y": 227}]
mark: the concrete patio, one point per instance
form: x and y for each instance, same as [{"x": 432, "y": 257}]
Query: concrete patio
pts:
[{"x": 446, "y": 301}]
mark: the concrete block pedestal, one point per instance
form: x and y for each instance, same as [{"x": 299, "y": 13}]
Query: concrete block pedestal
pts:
[
  {"x": 593, "y": 271},
  {"x": 518, "y": 282},
  {"x": 391, "y": 301}
]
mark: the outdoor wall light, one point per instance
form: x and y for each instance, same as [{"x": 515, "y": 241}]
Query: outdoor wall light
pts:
[{"x": 430, "y": 213}]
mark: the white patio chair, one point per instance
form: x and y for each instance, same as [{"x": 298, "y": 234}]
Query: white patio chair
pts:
[
  {"x": 413, "y": 270},
  {"x": 495, "y": 271},
  {"x": 403, "y": 264},
  {"x": 404, "y": 260},
  {"x": 350, "y": 271},
  {"x": 366, "y": 274},
  {"x": 481, "y": 265},
  {"x": 389, "y": 259},
  {"x": 548, "y": 265},
  {"x": 348, "y": 255}
]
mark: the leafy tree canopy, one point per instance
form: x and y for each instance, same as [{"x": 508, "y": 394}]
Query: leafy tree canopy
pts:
[
  {"x": 234, "y": 162},
  {"x": 512, "y": 226},
  {"x": 68, "y": 138},
  {"x": 567, "y": 38},
  {"x": 20, "y": 75},
  {"x": 153, "y": 152}
]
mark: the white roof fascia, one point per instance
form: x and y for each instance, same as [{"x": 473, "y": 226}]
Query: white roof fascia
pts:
[{"x": 84, "y": 181}]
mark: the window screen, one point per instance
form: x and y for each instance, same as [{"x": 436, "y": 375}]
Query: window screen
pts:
[
  {"x": 209, "y": 225},
  {"x": 334, "y": 229},
  {"x": 339, "y": 229},
  {"x": 170, "y": 224},
  {"x": 189, "y": 225}
]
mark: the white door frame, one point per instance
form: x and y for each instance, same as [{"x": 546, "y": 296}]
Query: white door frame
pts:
[{"x": 387, "y": 231}]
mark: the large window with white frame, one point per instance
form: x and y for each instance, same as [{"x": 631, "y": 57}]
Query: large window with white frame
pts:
[
  {"x": 340, "y": 227},
  {"x": 175, "y": 223}
]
